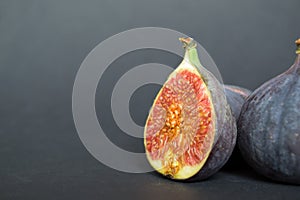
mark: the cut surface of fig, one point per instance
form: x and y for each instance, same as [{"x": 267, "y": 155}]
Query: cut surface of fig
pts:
[
  {"x": 190, "y": 131},
  {"x": 180, "y": 130}
]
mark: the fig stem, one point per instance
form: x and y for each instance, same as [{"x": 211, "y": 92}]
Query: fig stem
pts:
[
  {"x": 298, "y": 46},
  {"x": 191, "y": 53}
]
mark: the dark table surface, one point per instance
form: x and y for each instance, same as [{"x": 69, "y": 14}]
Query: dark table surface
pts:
[
  {"x": 43, "y": 43},
  {"x": 88, "y": 179}
]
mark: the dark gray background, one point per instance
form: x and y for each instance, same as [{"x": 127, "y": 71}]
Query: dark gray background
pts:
[{"x": 42, "y": 44}]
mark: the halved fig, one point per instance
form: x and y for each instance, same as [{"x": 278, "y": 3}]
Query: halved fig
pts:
[{"x": 190, "y": 130}]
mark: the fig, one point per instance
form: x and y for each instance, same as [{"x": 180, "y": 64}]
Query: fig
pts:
[
  {"x": 236, "y": 97},
  {"x": 269, "y": 126},
  {"x": 190, "y": 131}
]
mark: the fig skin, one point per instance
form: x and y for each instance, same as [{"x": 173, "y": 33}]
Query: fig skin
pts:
[
  {"x": 269, "y": 127},
  {"x": 226, "y": 141},
  {"x": 226, "y": 135},
  {"x": 236, "y": 97}
]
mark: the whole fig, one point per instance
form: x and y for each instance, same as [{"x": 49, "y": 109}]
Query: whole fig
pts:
[
  {"x": 269, "y": 126},
  {"x": 236, "y": 97}
]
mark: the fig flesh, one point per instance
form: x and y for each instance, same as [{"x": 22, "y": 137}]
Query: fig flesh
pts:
[
  {"x": 269, "y": 126},
  {"x": 190, "y": 131}
]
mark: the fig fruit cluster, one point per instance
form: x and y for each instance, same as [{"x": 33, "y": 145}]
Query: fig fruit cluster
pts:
[{"x": 195, "y": 122}]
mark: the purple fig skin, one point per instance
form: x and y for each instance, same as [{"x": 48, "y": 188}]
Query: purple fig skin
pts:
[
  {"x": 236, "y": 97},
  {"x": 269, "y": 127},
  {"x": 226, "y": 123}
]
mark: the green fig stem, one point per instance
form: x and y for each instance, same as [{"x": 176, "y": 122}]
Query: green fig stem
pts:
[
  {"x": 191, "y": 53},
  {"x": 298, "y": 46}
]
